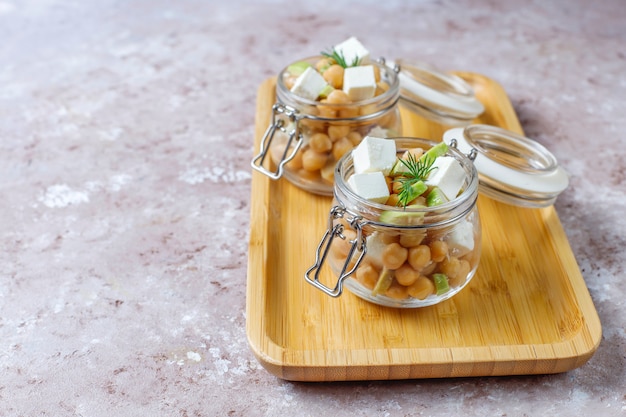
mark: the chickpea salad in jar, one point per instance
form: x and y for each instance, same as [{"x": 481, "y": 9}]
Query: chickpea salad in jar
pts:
[
  {"x": 405, "y": 230},
  {"x": 325, "y": 106}
]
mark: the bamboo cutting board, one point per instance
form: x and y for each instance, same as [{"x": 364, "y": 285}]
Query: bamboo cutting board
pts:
[{"x": 527, "y": 310}]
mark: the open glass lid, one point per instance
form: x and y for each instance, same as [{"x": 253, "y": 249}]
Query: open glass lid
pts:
[
  {"x": 437, "y": 95},
  {"x": 512, "y": 168}
]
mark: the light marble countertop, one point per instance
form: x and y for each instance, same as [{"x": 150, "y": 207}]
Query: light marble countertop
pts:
[{"x": 126, "y": 133}]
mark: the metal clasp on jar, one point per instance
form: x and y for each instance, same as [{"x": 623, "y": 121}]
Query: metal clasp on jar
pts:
[
  {"x": 358, "y": 246},
  {"x": 471, "y": 155},
  {"x": 279, "y": 124}
]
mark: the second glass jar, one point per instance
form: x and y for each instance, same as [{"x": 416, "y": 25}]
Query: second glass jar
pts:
[{"x": 306, "y": 138}]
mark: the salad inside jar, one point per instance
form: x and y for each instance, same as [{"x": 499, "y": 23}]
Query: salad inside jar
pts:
[
  {"x": 419, "y": 223},
  {"x": 340, "y": 97}
]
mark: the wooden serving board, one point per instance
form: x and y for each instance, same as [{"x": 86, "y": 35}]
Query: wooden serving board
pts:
[{"x": 527, "y": 310}]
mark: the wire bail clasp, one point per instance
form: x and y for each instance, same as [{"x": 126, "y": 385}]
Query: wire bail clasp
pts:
[
  {"x": 293, "y": 135},
  {"x": 357, "y": 248},
  {"x": 473, "y": 152}
]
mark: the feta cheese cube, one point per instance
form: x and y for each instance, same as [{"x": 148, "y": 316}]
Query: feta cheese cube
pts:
[
  {"x": 375, "y": 247},
  {"x": 380, "y": 132},
  {"x": 448, "y": 175},
  {"x": 352, "y": 49},
  {"x": 461, "y": 239},
  {"x": 359, "y": 83},
  {"x": 370, "y": 185},
  {"x": 374, "y": 154},
  {"x": 309, "y": 84}
]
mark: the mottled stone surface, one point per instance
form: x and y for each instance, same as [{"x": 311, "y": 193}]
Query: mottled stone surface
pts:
[{"x": 125, "y": 139}]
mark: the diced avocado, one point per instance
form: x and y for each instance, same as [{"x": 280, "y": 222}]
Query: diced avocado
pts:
[
  {"x": 435, "y": 197},
  {"x": 326, "y": 91},
  {"x": 435, "y": 152},
  {"x": 402, "y": 218},
  {"x": 399, "y": 166},
  {"x": 441, "y": 283},
  {"x": 396, "y": 168},
  {"x": 415, "y": 190},
  {"x": 384, "y": 282},
  {"x": 297, "y": 68},
  {"x": 324, "y": 65}
]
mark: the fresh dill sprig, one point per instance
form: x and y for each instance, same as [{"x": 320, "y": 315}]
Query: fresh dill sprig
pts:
[
  {"x": 340, "y": 59},
  {"x": 417, "y": 170}
]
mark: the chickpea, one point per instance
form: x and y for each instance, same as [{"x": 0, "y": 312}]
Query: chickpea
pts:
[
  {"x": 416, "y": 152},
  {"x": 381, "y": 88},
  {"x": 406, "y": 275},
  {"x": 465, "y": 268},
  {"x": 421, "y": 288},
  {"x": 367, "y": 109},
  {"x": 394, "y": 256},
  {"x": 461, "y": 275},
  {"x": 355, "y": 137},
  {"x": 310, "y": 124},
  {"x": 328, "y": 112},
  {"x": 450, "y": 266},
  {"x": 429, "y": 269},
  {"x": 341, "y": 147},
  {"x": 313, "y": 161},
  {"x": 334, "y": 76},
  {"x": 389, "y": 238},
  {"x": 348, "y": 112},
  {"x": 343, "y": 222},
  {"x": 412, "y": 239},
  {"x": 396, "y": 291},
  {"x": 323, "y": 64},
  {"x": 386, "y": 119},
  {"x": 438, "y": 250},
  {"x": 389, "y": 181},
  {"x": 289, "y": 81},
  {"x": 367, "y": 275},
  {"x": 471, "y": 257},
  {"x": 320, "y": 142},
  {"x": 296, "y": 162},
  {"x": 328, "y": 171},
  {"x": 419, "y": 257},
  {"x": 393, "y": 200},
  {"x": 307, "y": 175},
  {"x": 351, "y": 263},
  {"x": 278, "y": 147},
  {"x": 338, "y": 97},
  {"x": 336, "y": 132}
]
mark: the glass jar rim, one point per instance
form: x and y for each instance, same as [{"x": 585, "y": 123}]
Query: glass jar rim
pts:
[{"x": 392, "y": 94}]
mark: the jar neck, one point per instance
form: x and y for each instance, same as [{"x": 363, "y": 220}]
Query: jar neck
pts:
[{"x": 440, "y": 215}]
